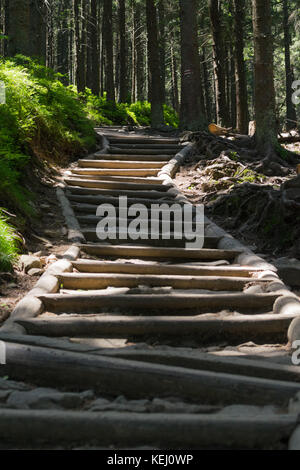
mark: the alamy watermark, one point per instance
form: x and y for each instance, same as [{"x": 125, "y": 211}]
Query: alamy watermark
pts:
[
  {"x": 296, "y": 94},
  {"x": 2, "y": 93},
  {"x": 160, "y": 221},
  {"x": 2, "y": 353}
]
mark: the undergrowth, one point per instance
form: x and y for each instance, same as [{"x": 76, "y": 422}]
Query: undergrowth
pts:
[
  {"x": 8, "y": 244},
  {"x": 44, "y": 121}
]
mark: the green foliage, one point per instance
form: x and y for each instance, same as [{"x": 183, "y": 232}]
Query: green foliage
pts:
[
  {"x": 104, "y": 112},
  {"x": 8, "y": 244}
]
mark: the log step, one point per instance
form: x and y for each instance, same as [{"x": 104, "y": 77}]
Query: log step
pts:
[
  {"x": 145, "y": 146},
  {"x": 117, "y": 172},
  {"x": 141, "y": 158},
  {"x": 91, "y": 266},
  {"x": 205, "y": 330},
  {"x": 157, "y": 431},
  {"x": 158, "y": 304},
  {"x": 102, "y": 281},
  {"x": 129, "y": 164},
  {"x": 135, "y": 380},
  {"x": 151, "y": 252},
  {"x": 120, "y": 192},
  {"x": 176, "y": 239},
  {"x": 124, "y": 179},
  {"x": 141, "y": 140},
  {"x": 147, "y": 152},
  {"x": 97, "y": 199},
  {"x": 90, "y": 183}
]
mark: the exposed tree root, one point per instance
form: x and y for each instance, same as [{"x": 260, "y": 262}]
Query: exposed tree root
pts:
[{"x": 273, "y": 161}]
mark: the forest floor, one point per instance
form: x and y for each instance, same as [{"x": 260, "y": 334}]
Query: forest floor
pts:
[
  {"x": 43, "y": 236},
  {"x": 236, "y": 197}
]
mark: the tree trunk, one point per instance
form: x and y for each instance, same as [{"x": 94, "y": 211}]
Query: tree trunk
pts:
[
  {"x": 95, "y": 56},
  {"x": 162, "y": 47},
  {"x": 219, "y": 62},
  {"x": 191, "y": 112},
  {"x": 157, "y": 114},
  {"x": 175, "y": 92},
  {"x": 140, "y": 53},
  {"x": 108, "y": 46},
  {"x": 63, "y": 53},
  {"x": 290, "y": 108},
  {"x": 242, "y": 112},
  {"x": 19, "y": 27},
  {"x": 266, "y": 132},
  {"x": 123, "y": 57},
  {"x": 80, "y": 74}
]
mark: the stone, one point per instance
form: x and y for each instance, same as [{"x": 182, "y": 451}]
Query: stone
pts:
[
  {"x": 294, "y": 442},
  {"x": 35, "y": 272},
  {"x": 30, "y": 262},
  {"x": 294, "y": 404},
  {"x": 289, "y": 271},
  {"x": 47, "y": 398}
]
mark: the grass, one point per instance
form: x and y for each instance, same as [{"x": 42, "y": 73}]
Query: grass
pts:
[{"x": 8, "y": 244}]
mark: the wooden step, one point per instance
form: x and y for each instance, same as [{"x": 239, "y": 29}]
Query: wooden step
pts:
[
  {"x": 150, "y": 252},
  {"x": 133, "y": 379},
  {"x": 102, "y": 281},
  {"x": 157, "y": 304},
  {"x": 130, "y": 164},
  {"x": 149, "y": 152},
  {"x": 153, "y": 146},
  {"x": 145, "y": 430},
  {"x": 116, "y": 172},
  {"x": 206, "y": 329},
  {"x": 141, "y": 158},
  {"x": 123, "y": 179},
  {"x": 97, "y": 199},
  {"x": 91, "y": 266},
  {"x": 157, "y": 195},
  {"x": 141, "y": 140},
  {"x": 90, "y": 183}
]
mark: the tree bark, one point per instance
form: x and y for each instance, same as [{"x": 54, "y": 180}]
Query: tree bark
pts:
[
  {"x": 108, "y": 46},
  {"x": 290, "y": 108},
  {"x": 80, "y": 73},
  {"x": 242, "y": 112},
  {"x": 219, "y": 62},
  {"x": 95, "y": 55},
  {"x": 140, "y": 53},
  {"x": 19, "y": 27},
  {"x": 192, "y": 115},
  {"x": 157, "y": 114},
  {"x": 266, "y": 131},
  {"x": 162, "y": 47},
  {"x": 123, "y": 57}
]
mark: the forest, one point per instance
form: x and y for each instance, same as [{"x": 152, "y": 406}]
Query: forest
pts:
[
  {"x": 70, "y": 65},
  {"x": 149, "y": 227}
]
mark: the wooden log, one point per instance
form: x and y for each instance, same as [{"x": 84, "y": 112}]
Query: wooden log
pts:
[
  {"x": 123, "y": 179},
  {"x": 158, "y": 430},
  {"x": 134, "y": 379},
  {"x": 98, "y": 199},
  {"x": 153, "y": 146},
  {"x": 154, "y": 158},
  {"x": 149, "y": 152},
  {"x": 128, "y": 164},
  {"x": 141, "y": 140},
  {"x": 176, "y": 239},
  {"x": 102, "y": 281},
  {"x": 148, "y": 194},
  {"x": 205, "y": 330},
  {"x": 90, "y": 183},
  {"x": 92, "y": 266},
  {"x": 157, "y": 304},
  {"x": 117, "y": 172},
  {"x": 152, "y": 252}
]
